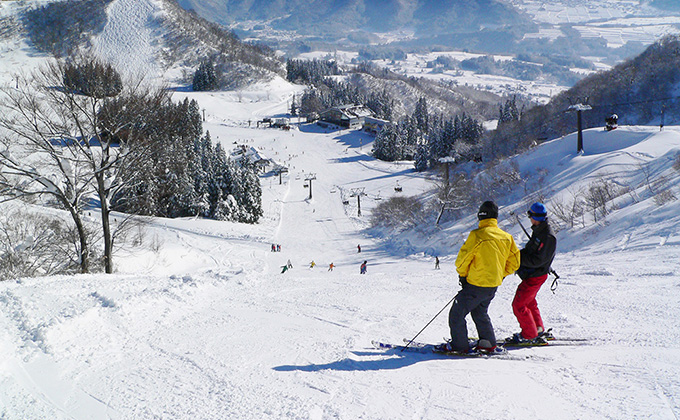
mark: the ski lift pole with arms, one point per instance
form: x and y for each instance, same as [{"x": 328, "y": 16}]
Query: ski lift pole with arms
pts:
[{"x": 554, "y": 284}]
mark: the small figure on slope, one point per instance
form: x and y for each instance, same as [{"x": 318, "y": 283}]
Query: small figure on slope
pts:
[
  {"x": 362, "y": 269},
  {"x": 330, "y": 267},
  {"x": 436, "y": 263}
]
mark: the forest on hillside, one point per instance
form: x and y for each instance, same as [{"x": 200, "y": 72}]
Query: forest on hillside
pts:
[{"x": 642, "y": 90}]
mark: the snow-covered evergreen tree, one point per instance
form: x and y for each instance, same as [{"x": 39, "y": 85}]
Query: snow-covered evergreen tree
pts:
[
  {"x": 421, "y": 115},
  {"x": 250, "y": 199},
  {"x": 246, "y": 190},
  {"x": 387, "y": 143},
  {"x": 205, "y": 77},
  {"x": 421, "y": 157}
]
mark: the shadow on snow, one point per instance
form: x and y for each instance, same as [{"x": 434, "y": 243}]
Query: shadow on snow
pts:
[{"x": 396, "y": 360}]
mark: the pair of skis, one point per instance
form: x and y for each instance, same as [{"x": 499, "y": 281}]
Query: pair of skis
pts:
[{"x": 431, "y": 348}]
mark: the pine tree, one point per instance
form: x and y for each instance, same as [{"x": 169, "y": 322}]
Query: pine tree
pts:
[
  {"x": 410, "y": 136},
  {"x": 293, "y": 107},
  {"x": 421, "y": 158},
  {"x": 226, "y": 207},
  {"x": 92, "y": 78},
  {"x": 449, "y": 135},
  {"x": 386, "y": 145},
  {"x": 205, "y": 77},
  {"x": 246, "y": 190},
  {"x": 508, "y": 112},
  {"x": 251, "y": 196},
  {"x": 201, "y": 206},
  {"x": 421, "y": 115}
]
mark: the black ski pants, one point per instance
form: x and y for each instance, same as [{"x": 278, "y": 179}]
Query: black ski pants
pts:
[{"x": 473, "y": 300}]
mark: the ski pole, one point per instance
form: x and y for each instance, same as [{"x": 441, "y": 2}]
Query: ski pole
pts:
[
  {"x": 428, "y": 324},
  {"x": 554, "y": 284},
  {"x": 520, "y": 224}
]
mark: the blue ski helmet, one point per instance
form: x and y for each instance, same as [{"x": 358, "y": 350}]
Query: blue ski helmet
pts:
[{"x": 538, "y": 212}]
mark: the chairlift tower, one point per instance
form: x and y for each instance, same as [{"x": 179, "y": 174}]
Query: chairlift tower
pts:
[
  {"x": 280, "y": 171},
  {"x": 310, "y": 177},
  {"x": 358, "y": 192},
  {"x": 447, "y": 161},
  {"x": 579, "y": 108}
]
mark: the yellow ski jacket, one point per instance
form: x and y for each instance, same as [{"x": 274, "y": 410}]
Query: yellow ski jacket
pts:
[{"x": 488, "y": 255}]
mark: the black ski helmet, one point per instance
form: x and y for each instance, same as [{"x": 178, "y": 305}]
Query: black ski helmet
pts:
[{"x": 488, "y": 210}]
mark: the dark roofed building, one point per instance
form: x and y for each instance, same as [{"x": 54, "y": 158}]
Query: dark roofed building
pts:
[{"x": 346, "y": 116}]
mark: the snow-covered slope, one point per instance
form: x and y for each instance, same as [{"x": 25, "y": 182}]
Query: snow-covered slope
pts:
[
  {"x": 153, "y": 40},
  {"x": 128, "y": 38},
  {"x": 200, "y": 323}
]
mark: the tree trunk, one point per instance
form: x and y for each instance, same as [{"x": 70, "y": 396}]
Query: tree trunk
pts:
[
  {"x": 106, "y": 225},
  {"x": 82, "y": 237}
]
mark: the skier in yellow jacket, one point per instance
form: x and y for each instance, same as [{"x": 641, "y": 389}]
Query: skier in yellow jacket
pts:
[{"x": 488, "y": 255}]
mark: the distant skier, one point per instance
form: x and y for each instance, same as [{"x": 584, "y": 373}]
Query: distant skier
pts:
[
  {"x": 536, "y": 258},
  {"x": 284, "y": 268},
  {"x": 312, "y": 264},
  {"x": 436, "y": 263},
  {"x": 289, "y": 264},
  {"x": 330, "y": 267},
  {"x": 273, "y": 248},
  {"x": 362, "y": 269},
  {"x": 488, "y": 255},
  {"x": 278, "y": 248},
  {"x": 358, "y": 249}
]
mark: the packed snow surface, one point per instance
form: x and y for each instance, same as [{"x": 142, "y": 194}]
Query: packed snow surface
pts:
[
  {"x": 126, "y": 41},
  {"x": 199, "y": 322}
]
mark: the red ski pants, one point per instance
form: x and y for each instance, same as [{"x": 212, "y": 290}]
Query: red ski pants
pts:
[{"x": 525, "y": 307}]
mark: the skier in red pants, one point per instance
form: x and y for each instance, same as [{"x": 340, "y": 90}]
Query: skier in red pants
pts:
[{"x": 536, "y": 258}]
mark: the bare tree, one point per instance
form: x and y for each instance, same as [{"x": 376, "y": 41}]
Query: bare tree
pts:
[
  {"x": 35, "y": 244},
  {"x": 570, "y": 210},
  {"x": 37, "y": 161},
  {"x": 73, "y": 146},
  {"x": 599, "y": 195},
  {"x": 398, "y": 213},
  {"x": 453, "y": 196}
]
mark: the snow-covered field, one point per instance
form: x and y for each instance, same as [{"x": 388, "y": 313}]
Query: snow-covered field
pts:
[
  {"x": 200, "y": 323},
  {"x": 415, "y": 65},
  {"x": 206, "y": 326},
  {"x": 617, "y": 22}
]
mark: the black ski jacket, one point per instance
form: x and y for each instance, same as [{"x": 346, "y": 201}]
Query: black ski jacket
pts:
[{"x": 539, "y": 252}]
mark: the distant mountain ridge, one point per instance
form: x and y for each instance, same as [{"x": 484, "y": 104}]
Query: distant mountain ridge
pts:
[
  {"x": 643, "y": 90},
  {"x": 336, "y": 17},
  {"x": 175, "y": 37}
]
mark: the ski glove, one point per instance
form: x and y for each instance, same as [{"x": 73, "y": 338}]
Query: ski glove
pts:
[
  {"x": 462, "y": 280},
  {"x": 524, "y": 272}
]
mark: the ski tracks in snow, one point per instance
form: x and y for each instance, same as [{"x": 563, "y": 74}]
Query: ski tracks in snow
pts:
[{"x": 127, "y": 38}]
